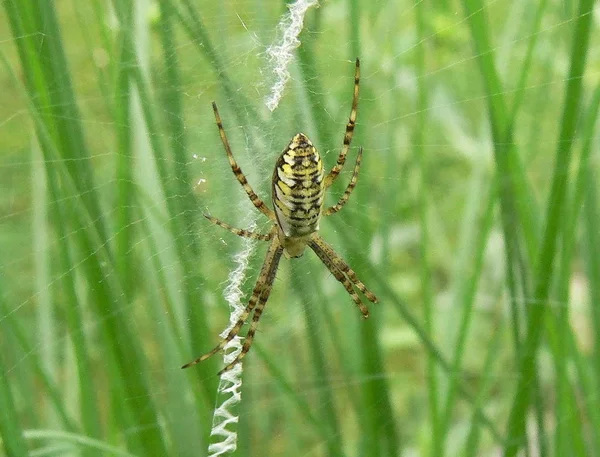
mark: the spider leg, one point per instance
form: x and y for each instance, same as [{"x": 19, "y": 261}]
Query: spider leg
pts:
[
  {"x": 237, "y": 171},
  {"x": 266, "y": 291},
  {"x": 267, "y": 271},
  {"x": 335, "y": 171},
  {"x": 324, "y": 250},
  {"x": 239, "y": 232},
  {"x": 339, "y": 275},
  {"x": 344, "y": 198}
]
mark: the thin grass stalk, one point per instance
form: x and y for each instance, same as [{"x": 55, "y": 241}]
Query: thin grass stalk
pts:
[
  {"x": 15, "y": 326},
  {"x": 326, "y": 400},
  {"x": 377, "y": 397},
  {"x": 591, "y": 213},
  {"x": 88, "y": 399},
  {"x": 497, "y": 115},
  {"x": 568, "y": 436},
  {"x": 186, "y": 428},
  {"x": 531, "y": 216},
  {"x": 568, "y": 431},
  {"x": 62, "y": 115},
  {"x": 196, "y": 314},
  {"x": 56, "y": 134},
  {"x": 125, "y": 139},
  {"x": 516, "y": 198},
  {"x": 79, "y": 442},
  {"x": 466, "y": 299},
  {"x": 11, "y": 434},
  {"x": 187, "y": 204},
  {"x": 377, "y": 403},
  {"x": 46, "y": 322},
  {"x": 589, "y": 386},
  {"x": 472, "y": 447},
  {"x": 389, "y": 296},
  {"x": 555, "y": 212},
  {"x": 192, "y": 23},
  {"x": 584, "y": 177},
  {"x": 348, "y": 364},
  {"x": 424, "y": 245},
  {"x": 47, "y": 383},
  {"x": 288, "y": 388}
]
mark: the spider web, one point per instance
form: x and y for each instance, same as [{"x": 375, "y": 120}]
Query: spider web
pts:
[{"x": 309, "y": 378}]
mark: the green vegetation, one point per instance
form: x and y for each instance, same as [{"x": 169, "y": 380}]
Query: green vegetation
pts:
[{"x": 475, "y": 220}]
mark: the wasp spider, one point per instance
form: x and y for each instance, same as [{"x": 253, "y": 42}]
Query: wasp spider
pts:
[{"x": 298, "y": 188}]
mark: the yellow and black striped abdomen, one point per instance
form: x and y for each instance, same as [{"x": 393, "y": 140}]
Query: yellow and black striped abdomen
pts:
[{"x": 298, "y": 188}]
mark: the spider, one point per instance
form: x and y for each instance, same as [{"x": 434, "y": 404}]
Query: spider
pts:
[{"x": 298, "y": 188}]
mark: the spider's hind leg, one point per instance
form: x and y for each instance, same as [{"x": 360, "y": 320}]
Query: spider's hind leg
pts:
[
  {"x": 231, "y": 335},
  {"x": 239, "y": 232},
  {"x": 266, "y": 284},
  {"x": 261, "y": 290},
  {"x": 250, "y": 335},
  {"x": 330, "y": 257}
]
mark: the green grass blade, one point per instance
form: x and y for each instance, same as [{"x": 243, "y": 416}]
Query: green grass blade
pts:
[
  {"x": 425, "y": 246},
  {"x": 472, "y": 265},
  {"x": 390, "y": 296},
  {"x": 83, "y": 442},
  {"x": 61, "y": 136},
  {"x": 124, "y": 111},
  {"x": 330, "y": 416},
  {"x": 11, "y": 433},
  {"x": 473, "y": 438},
  {"x": 555, "y": 212},
  {"x": 196, "y": 314},
  {"x": 568, "y": 435}
]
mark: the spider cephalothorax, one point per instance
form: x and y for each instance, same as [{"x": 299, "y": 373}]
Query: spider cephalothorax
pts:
[{"x": 298, "y": 190}]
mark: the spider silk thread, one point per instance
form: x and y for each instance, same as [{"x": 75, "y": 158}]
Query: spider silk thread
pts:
[{"x": 280, "y": 55}]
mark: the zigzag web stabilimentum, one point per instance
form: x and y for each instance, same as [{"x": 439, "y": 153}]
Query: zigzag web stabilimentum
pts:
[{"x": 224, "y": 431}]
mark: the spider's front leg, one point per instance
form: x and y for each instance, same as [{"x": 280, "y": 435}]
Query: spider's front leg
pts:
[
  {"x": 351, "y": 185},
  {"x": 335, "y": 171},
  {"x": 237, "y": 171}
]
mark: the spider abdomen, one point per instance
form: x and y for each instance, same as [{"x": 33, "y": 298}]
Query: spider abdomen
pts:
[{"x": 298, "y": 188}]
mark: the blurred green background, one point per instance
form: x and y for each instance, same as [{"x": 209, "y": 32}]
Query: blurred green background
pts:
[{"x": 474, "y": 221}]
